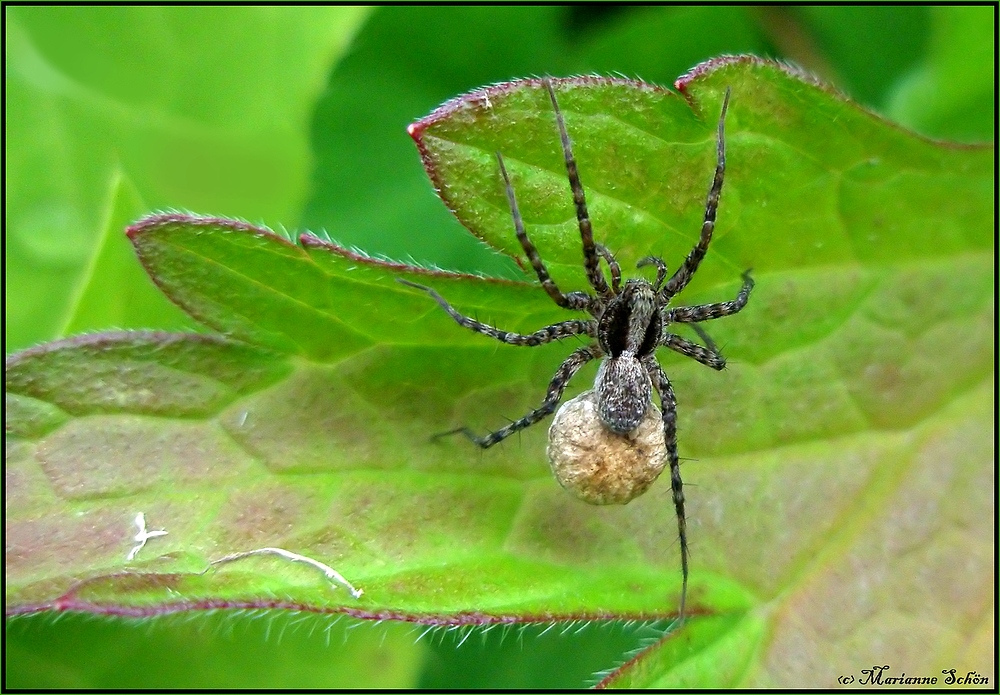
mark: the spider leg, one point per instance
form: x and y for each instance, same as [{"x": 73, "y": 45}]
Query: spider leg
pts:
[
  {"x": 707, "y": 312},
  {"x": 709, "y": 343},
  {"x": 661, "y": 269},
  {"x": 539, "y": 337},
  {"x": 708, "y": 356},
  {"x": 669, "y": 406},
  {"x": 573, "y": 300},
  {"x": 557, "y": 386},
  {"x": 590, "y": 253},
  {"x": 616, "y": 270},
  {"x": 682, "y": 276}
]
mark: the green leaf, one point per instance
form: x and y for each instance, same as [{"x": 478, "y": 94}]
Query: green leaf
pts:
[
  {"x": 201, "y": 108},
  {"x": 117, "y": 292},
  {"x": 371, "y": 193},
  {"x": 369, "y": 190},
  {"x": 850, "y": 48},
  {"x": 223, "y": 650},
  {"x": 839, "y": 471},
  {"x": 952, "y": 92}
]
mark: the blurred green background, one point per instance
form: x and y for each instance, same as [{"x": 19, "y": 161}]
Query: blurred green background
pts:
[{"x": 296, "y": 117}]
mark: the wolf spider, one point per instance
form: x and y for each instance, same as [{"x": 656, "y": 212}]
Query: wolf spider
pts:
[{"x": 628, "y": 323}]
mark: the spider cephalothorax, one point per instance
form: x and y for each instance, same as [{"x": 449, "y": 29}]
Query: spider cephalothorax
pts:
[
  {"x": 629, "y": 322},
  {"x": 627, "y": 332}
]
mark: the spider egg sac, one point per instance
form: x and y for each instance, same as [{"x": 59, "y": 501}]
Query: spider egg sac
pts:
[{"x": 600, "y": 466}]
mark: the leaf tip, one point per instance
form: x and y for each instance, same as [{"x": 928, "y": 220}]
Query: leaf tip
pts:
[{"x": 683, "y": 83}]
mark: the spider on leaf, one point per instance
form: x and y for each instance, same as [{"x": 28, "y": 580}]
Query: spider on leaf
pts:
[{"x": 629, "y": 321}]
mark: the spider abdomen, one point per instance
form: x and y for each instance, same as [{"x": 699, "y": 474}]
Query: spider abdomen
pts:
[{"x": 624, "y": 392}]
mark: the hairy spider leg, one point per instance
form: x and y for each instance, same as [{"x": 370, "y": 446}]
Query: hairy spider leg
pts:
[
  {"x": 709, "y": 343},
  {"x": 661, "y": 269},
  {"x": 590, "y": 253},
  {"x": 682, "y": 276},
  {"x": 668, "y": 404},
  {"x": 557, "y": 386},
  {"x": 613, "y": 267},
  {"x": 573, "y": 300},
  {"x": 690, "y": 315},
  {"x": 556, "y": 331},
  {"x": 706, "y": 355},
  {"x": 707, "y": 312}
]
